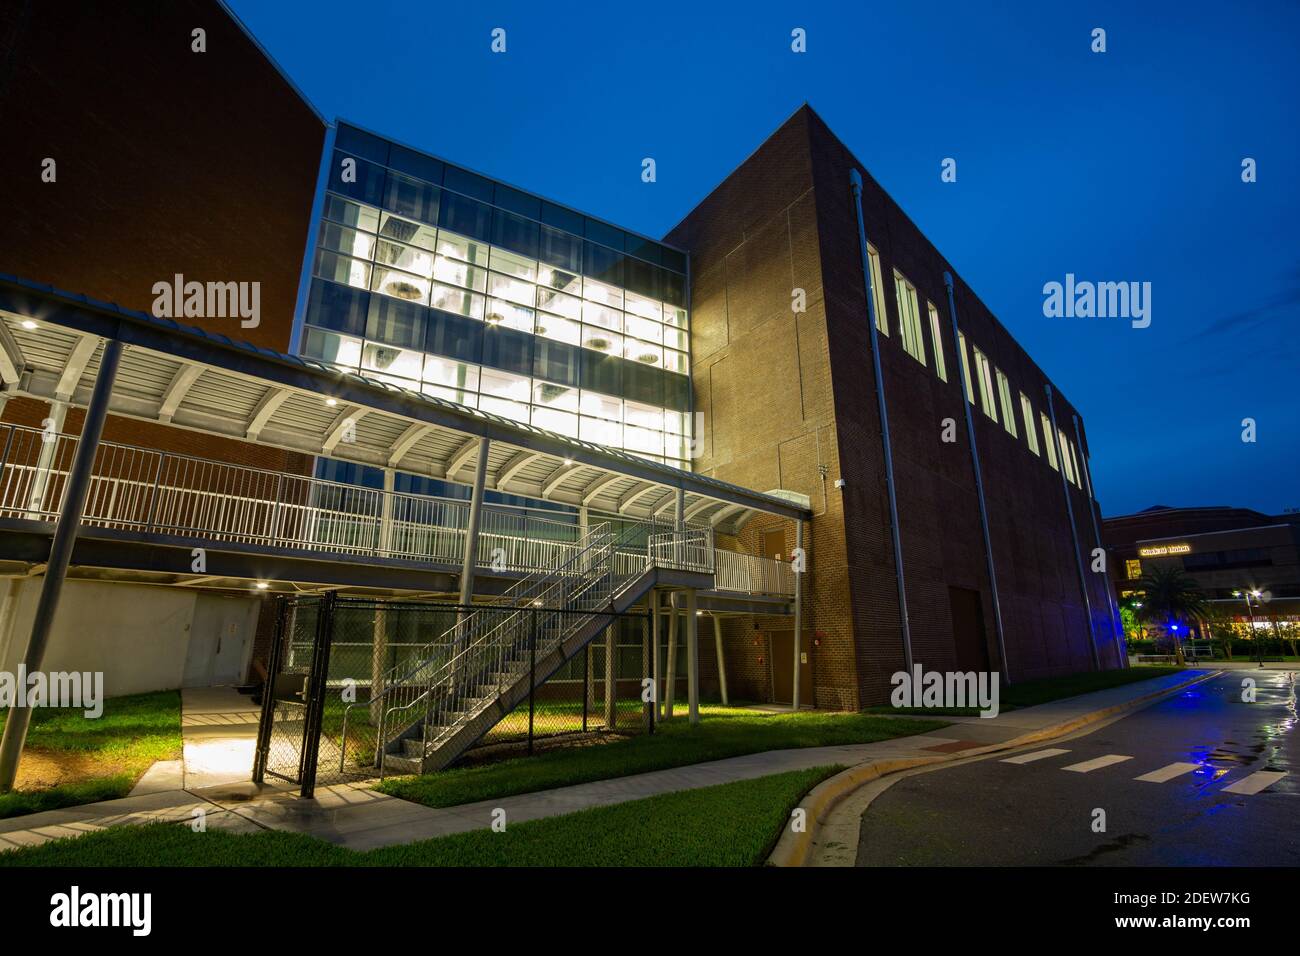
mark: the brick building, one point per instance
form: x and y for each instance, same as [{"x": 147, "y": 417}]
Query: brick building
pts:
[{"x": 646, "y": 378}]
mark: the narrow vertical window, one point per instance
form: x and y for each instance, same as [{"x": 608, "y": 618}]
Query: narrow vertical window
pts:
[
  {"x": 1065, "y": 456},
  {"x": 1031, "y": 433},
  {"x": 1049, "y": 443},
  {"x": 909, "y": 318},
  {"x": 877, "y": 290},
  {"x": 983, "y": 371},
  {"x": 964, "y": 360},
  {"x": 1074, "y": 458},
  {"x": 1004, "y": 397},
  {"x": 936, "y": 340}
]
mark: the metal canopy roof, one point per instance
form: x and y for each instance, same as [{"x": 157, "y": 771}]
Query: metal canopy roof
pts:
[{"x": 198, "y": 380}]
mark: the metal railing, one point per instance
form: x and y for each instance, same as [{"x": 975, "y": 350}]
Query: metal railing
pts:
[{"x": 155, "y": 492}]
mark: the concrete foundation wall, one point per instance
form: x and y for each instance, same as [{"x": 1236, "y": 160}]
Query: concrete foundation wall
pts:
[{"x": 140, "y": 637}]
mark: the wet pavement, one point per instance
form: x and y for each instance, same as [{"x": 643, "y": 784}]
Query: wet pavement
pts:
[{"x": 1201, "y": 778}]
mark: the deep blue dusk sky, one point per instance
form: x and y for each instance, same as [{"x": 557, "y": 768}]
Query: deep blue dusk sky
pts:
[{"x": 1119, "y": 166}]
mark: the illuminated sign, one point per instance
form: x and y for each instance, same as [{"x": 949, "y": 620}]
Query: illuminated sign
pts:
[{"x": 1160, "y": 550}]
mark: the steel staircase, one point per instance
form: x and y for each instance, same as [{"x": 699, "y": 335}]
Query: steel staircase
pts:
[{"x": 463, "y": 683}]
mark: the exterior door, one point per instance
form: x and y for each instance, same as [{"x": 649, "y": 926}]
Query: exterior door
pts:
[
  {"x": 220, "y": 639},
  {"x": 969, "y": 639},
  {"x": 782, "y": 644}
]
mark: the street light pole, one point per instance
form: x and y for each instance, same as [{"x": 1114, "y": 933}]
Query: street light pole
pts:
[{"x": 1251, "y": 617}]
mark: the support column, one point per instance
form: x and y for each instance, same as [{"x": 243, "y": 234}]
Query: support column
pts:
[
  {"x": 470, "y": 560},
  {"x": 51, "y": 428},
  {"x": 672, "y": 655},
  {"x": 1115, "y": 627},
  {"x": 722, "y": 666},
  {"x": 692, "y": 658},
  {"x": 656, "y": 654},
  {"x": 1074, "y": 531},
  {"x": 8, "y": 616},
  {"x": 855, "y": 186},
  {"x": 378, "y": 662},
  {"x": 798, "y": 618},
  {"x": 65, "y": 536},
  {"x": 679, "y": 554},
  {"x": 979, "y": 492},
  {"x": 611, "y": 678},
  {"x": 386, "y": 513}
]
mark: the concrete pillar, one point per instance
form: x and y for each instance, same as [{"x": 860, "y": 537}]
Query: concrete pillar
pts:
[
  {"x": 672, "y": 655},
  {"x": 798, "y": 618},
  {"x": 722, "y": 666},
  {"x": 470, "y": 560},
  {"x": 611, "y": 678},
  {"x": 386, "y": 513},
  {"x": 656, "y": 654},
  {"x": 692, "y": 657},
  {"x": 378, "y": 662},
  {"x": 51, "y": 428},
  {"x": 65, "y": 537}
]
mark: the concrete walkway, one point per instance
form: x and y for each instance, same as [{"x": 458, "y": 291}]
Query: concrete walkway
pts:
[{"x": 354, "y": 816}]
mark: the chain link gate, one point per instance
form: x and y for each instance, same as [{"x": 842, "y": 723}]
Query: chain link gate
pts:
[{"x": 323, "y": 703}]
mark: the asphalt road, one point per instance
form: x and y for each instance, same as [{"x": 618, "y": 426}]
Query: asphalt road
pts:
[{"x": 1196, "y": 745}]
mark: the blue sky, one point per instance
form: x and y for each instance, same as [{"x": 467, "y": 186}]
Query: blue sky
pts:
[{"x": 1117, "y": 166}]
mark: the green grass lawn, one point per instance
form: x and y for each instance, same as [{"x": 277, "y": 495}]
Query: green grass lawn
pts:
[
  {"x": 99, "y": 759},
  {"x": 734, "y": 824},
  {"x": 1031, "y": 692},
  {"x": 724, "y": 732}
]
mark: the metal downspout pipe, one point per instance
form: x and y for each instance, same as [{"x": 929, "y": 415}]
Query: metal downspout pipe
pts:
[
  {"x": 1122, "y": 657},
  {"x": 1074, "y": 531},
  {"x": 855, "y": 184},
  {"x": 979, "y": 489}
]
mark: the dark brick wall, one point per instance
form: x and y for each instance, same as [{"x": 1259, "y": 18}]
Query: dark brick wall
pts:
[
  {"x": 782, "y": 393},
  {"x": 169, "y": 161}
]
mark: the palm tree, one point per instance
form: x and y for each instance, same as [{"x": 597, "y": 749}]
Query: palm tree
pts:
[{"x": 1171, "y": 597}]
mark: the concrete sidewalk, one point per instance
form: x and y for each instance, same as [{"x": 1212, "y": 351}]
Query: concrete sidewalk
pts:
[{"x": 354, "y": 816}]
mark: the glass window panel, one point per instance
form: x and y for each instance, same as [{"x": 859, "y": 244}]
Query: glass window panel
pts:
[
  {"x": 498, "y": 384},
  {"x": 601, "y": 406},
  {"x": 338, "y": 307},
  {"x": 417, "y": 164},
  {"x": 407, "y": 232},
  {"x": 644, "y": 440},
  {"x": 508, "y": 349},
  {"x": 677, "y": 447},
  {"x": 400, "y": 285},
  {"x": 465, "y": 216},
  {"x": 604, "y": 233},
  {"x": 350, "y": 214},
  {"x": 395, "y": 322},
  {"x": 559, "y": 303},
  {"x": 643, "y": 328},
  {"x": 672, "y": 259},
  {"x": 353, "y": 272},
  {"x": 602, "y": 340},
  {"x": 365, "y": 181},
  {"x": 643, "y": 416},
  {"x": 516, "y": 290},
  {"x": 642, "y": 248},
  {"x": 514, "y": 232},
  {"x": 509, "y": 315},
  {"x": 516, "y": 201},
  {"x": 675, "y": 338},
  {"x": 603, "y": 264},
  {"x": 674, "y": 288},
  {"x": 675, "y": 316},
  {"x": 676, "y": 422},
  {"x": 556, "y": 361},
  {"x": 451, "y": 299},
  {"x": 562, "y": 218},
  {"x": 642, "y": 277},
  {"x": 553, "y": 278},
  {"x": 560, "y": 249},
  {"x": 552, "y": 395},
  {"x": 515, "y": 411},
  {"x": 457, "y": 395},
  {"x": 644, "y": 307},
  {"x": 561, "y": 330},
  {"x": 410, "y": 197},
  {"x": 563, "y": 423},
  {"x": 601, "y": 432},
  {"x": 450, "y": 373},
  {"x": 455, "y": 337},
  {"x": 391, "y": 360},
  {"x": 677, "y": 392},
  {"x": 348, "y": 241},
  {"x": 356, "y": 142},
  {"x": 333, "y": 348},
  {"x": 459, "y": 273},
  {"x": 406, "y": 258},
  {"x": 602, "y": 315},
  {"x": 603, "y": 293},
  {"x": 675, "y": 361},
  {"x": 936, "y": 341},
  {"x": 460, "y": 247},
  {"x": 647, "y": 353},
  {"x": 513, "y": 265},
  {"x": 471, "y": 184},
  {"x": 643, "y": 383}
]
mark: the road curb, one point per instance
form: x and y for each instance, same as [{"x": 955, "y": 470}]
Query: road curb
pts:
[{"x": 794, "y": 849}]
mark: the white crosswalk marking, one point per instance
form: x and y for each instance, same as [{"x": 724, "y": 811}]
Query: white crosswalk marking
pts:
[
  {"x": 1096, "y": 763},
  {"x": 1035, "y": 755},
  {"x": 1257, "y": 781},
  {"x": 1165, "y": 774}
]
